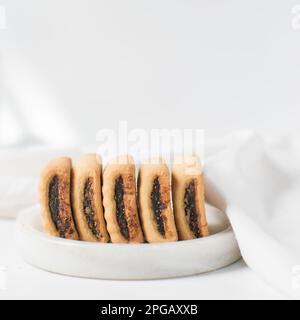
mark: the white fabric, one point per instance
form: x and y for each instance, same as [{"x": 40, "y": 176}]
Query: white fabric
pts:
[
  {"x": 259, "y": 183},
  {"x": 256, "y": 181}
]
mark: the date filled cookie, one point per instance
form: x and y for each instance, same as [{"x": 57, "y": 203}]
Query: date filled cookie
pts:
[
  {"x": 189, "y": 199},
  {"x": 87, "y": 199},
  {"x": 55, "y": 188},
  {"x": 155, "y": 202},
  {"x": 120, "y": 203}
]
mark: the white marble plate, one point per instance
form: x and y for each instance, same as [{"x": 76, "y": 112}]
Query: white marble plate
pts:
[{"x": 127, "y": 261}]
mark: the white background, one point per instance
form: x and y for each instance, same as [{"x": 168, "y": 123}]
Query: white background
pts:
[{"x": 69, "y": 68}]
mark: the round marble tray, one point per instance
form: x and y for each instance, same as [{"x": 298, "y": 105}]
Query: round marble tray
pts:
[{"x": 127, "y": 261}]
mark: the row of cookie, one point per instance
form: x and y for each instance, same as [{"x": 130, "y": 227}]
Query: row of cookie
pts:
[{"x": 78, "y": 202}]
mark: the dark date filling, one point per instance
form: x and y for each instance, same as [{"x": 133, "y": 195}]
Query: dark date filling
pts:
[
  {"x": 158, "y": 206},
  {"x": 89, "y": 209},
  {"x": 119, "y": 198},
  {"x": 62, "y": 224},
  {"x": 54, "y": 202},
  {"x": 191, "y": 209}
]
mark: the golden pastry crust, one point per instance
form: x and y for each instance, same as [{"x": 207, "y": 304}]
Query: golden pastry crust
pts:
[
  {"x": 87, "y": 199},
  {"x": 55, "y": 199},
  {"x": 155, "y": 202},
  {"x": 120, "y": 203},
  {"x": 189, "y": 199}
]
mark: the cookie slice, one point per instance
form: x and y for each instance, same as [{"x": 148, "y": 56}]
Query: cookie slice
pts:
[
  {"x": 55, "y": 200},
  {"x": 189, "y": 199},
  {"x": 119, "y": 200},
  {"x": 155, "y": 202},
  {"x": 87, "y": 199}
]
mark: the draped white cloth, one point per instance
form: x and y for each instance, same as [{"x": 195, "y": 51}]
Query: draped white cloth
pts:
[
  {"x": 256, "y": 181},
  {"x": 259, "y": 184}
]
